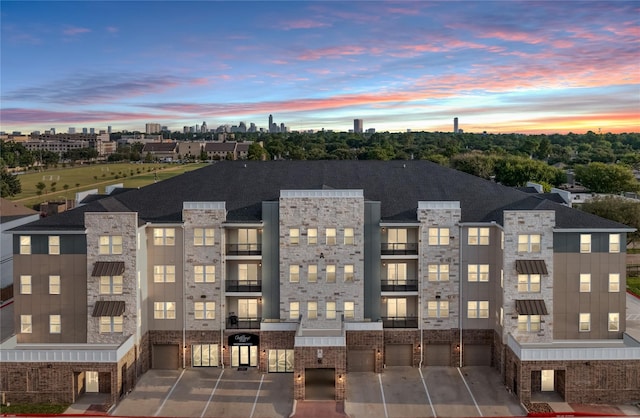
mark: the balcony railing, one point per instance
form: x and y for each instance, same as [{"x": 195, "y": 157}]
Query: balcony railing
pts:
[
  {"x": 400, "y": 322},
  {"x": 233, "y": 322},
  {"x": 406, "y": 285},
  {"x": 244, "y": 249},
  {"x": 405, "y": 248},
  {"x": 243, "y": 285}
]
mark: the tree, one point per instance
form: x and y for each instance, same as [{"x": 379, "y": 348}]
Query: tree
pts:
[
  {"x": 256, "y": 152},
  {"x": 607, "y": 178},
  {"x": 40, "y": 186},
  {"x": 10, "y": 185},
  {"x": 475, "y": 163},
  {"x": 618, "y": 209}
]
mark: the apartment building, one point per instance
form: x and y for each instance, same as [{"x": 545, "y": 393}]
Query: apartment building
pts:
[{"x": 306, "y": 266}]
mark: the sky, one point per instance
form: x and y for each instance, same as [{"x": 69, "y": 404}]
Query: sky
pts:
[{"x": 499, "y": 66}]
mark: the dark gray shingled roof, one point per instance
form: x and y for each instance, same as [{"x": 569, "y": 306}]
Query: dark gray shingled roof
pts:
[{"x": 398, "y": 185}]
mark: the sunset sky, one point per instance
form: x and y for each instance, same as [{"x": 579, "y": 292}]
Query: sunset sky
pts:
[{"x": 505, "y": 66}]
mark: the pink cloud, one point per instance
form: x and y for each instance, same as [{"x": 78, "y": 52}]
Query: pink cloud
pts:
[
  {"x": 331, "y": 52},
  {"x": 73, "y": 30},
  {"x": 20, "y": 115},
  {"x": 303, "y": 24}
]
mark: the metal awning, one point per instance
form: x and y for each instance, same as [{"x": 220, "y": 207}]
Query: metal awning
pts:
[
  {"x": 108, "y": 268},
  {"x": 108, "y": 308},
  {"x": 531, "y": 267},
  {"x": 531, "y": 307}
]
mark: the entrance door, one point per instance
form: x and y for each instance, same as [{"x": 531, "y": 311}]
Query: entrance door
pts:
[
  {"x": 244, "y": 355},
  {"x": 92, "y": 382},
  {"x": 547, "y": 384}
]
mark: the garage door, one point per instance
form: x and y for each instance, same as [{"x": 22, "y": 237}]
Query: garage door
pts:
[
  {"x": 476, "y": 355},
  {"x": 165, "y": 356},
  {"x": 398, "y": 355},
  {"x": 361, "y": 361},
  {"x": 438, "y": 355}
]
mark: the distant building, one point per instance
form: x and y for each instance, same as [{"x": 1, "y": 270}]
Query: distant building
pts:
[
  {"x": 153, "y": 128},
  {"x": 204, "y": 128},
  {"x": 358, "y": 126},
  {"x": 72, "y": 130},
  {"x": 455, "y": 125}
]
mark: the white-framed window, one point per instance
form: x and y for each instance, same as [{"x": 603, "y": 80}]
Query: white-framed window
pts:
[
  {"x": 294, "y": 310},
  {"x": 26, "y": 324},
  {"x": 312, "y": 310},
  {"x": 111, "y": 324},
  {"x": 349, "y": 236},
  {"x": 529, "y": 243},
  {"x": 397, "y": 273},
  {"x": 312, "y": 273},
  {"x": 164, "y": 236},
  {"x": 614, "y": 243},
  {"x": 529, "y": 323},
  {"x": 585, "y": 282},
  {"x": 349, "y": 310},
  {"x": 614, "y": 321},
  {"x": 349, "y": 274},
  {"x": 330, "y": 310},
  {"x": 478, "y": 236},
  {"x": 164, "y": 310},
  {"x": 330, "y": 234},
  {"x": 55, "y": 324},
  {"x": 397, "y": 307},
  {"x": 294, "y": 273},
  {"x": 25, "y": 244},
  {"x": 204, "y": 237},
  {"x": 312, "y": 236},
  {"x": 204, "y": 273},
  {"x": 585, "y": 243},
  {"x": 110, "y": 244},
  {"x": 528, "y": 283},
  {"x": 25, "y": 285},
  {"x": 584, "y": 322},
  {"x": 477, "y": 309},
  {"x": 54, "y": 285},
  {"x": 54, "y": 245},
  {"x": 478, "y": 272},
  {"x": 331, "y": 273},
  {"x": 438, "y": 272},
  {"x": 110, "y": 285},
  {"x": 438, "y": 236},
  {"x": 164, "y": 274},
  {"x": 614, "y": 282},
  {"x": 294, "y": 236},
  {"x": 248, "y": 308},
  {"x": 438, "y": 309},
  {"x": 204, "y": 310}
]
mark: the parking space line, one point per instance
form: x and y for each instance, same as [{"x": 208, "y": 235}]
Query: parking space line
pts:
[
  {"x": 384, "y": 403},
  {"x": 424, "y": 383},
  {"x": 257, "y": 395},
  {"x": 169, "y": 394},
  {"x": 211, "y": 396},
  {"x": 470, "y": 393}
]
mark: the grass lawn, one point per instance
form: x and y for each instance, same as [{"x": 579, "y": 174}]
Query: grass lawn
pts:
[
  {"x": 633, "y": 284},
  {"x": 33, "y": 409}
]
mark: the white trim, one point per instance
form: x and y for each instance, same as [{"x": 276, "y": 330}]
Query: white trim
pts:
[
  {"x": 203, "y": 205},
  {"x": 355, "y": 193},
  {"x": 399, "y": 224},
  {"x": 580, "y": 350},
  {"x": 588, "y": 230},
  {"x": 231, "y": 225},
  {"x": 438, "y": 204},
  {"x": 66, "y": 353},
  {"x": 47, "y": 232}
]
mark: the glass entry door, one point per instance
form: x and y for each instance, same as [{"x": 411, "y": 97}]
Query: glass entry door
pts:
[{"x": 244, "y": 355}]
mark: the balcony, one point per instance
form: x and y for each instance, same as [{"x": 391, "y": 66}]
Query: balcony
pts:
[
  {"x": 400, "y": 322},
  {"x": 404, "y": 285},
  {"x": 244, "y": 249},
  {"x": 233, "y": 322},
  {"x": 405, "y": 248},
  {"x": 243, "y": 285}
]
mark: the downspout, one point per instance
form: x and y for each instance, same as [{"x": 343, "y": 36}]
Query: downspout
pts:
[
  {"x": 223, "y": 277},
  {"x": 460, "y": 303},
  {"x": 184, "y": 304},
  {"x": 420, "y": 313}
]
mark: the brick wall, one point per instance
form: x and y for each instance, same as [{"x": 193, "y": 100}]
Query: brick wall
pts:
[
  {"x": 332, "y": 358},
  {"x": 368, "y": 340}
]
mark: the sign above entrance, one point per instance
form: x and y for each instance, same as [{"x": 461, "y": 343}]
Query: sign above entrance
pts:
[{"x": 244, "y": 339}]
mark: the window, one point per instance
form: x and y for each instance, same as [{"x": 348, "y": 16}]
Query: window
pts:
[
  {"x": 478, "y": 236},
  {"x": 204, "y": 274},
  {"x": 397, "y": 238},
  {"x": 330, "y": 309},
  {"x": 502, "y": 240},
  {"x": 331, "y": 236},
  {"x": 478, "y": 273},
  {"x": 502, "y": 278},
  {"x": 248, "y": 308},
  {"x": 397, "y": 307},
  {"x": 312, "y": 273},
  {"x": 614, "y": 243},
  {"x": 348, "y": 273},
  {"x": 294, "y": 236},
  {"x": 247, "y": 239},
  {"x": 25, "y": 324},
  {"x": 164, "y": 236},
  {"x": 164, "y": 274},
  {"x": 585, "y": 322},
  {"x": 585, "y": 243},
  {"x": 349, "y": 310},
  {"x": 529, "y": 243},
  {"x": 528, "y": 283},
  {"x": 111, "y": 324},
  {"x": 349, "y": 238},
  {"x": 312, "y": 236},
  {"x": 312, "y": 310},
  {"x": 438, "y": 309},
  {"x": 477, "y": 309},
  {"x": 438, "y": 236},
  {"x": 501, "y": 316},
  {"x": 529, "y": 323},
  {"x": 54, "y": 285},
  {"x": 247, "y": 274},
  {"x": 397, "y": 273},
  {"x": 205, "y": 355},
  {"x": 281, "y": 361},
  {"x": 614, "y": 282},
  {"x": 25, "y": 285},
  {"x": 204, "y": 310},
  {"x": 55, "y": 327},
  {"x": 203, "y": 237},
  {"x": 585, "y": 282},
  {"x": 25, "y": 244},
  {"x": 110, "y": 244},
  {"x": 164, "y": 310},
  {"x": 614, "y": 322},
  {"x": 110, "y": 285},
  {"x": 294, "y": 273},
  {"x": 331, "y": 273},
  {"x": 438, "y": 272},
  {"x": 54, "y": 245},
  {"x": 294, "y": 310}
]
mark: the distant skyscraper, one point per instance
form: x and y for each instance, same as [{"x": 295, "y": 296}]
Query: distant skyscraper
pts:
[
  {"x": 455, "y": 125},
  {"x": 72, "y": 130},
  {"x": 109, "y": 129},
  {"x": 92, "y": 130},
  {"x": 152, "y": 128},
  {"x": 358, "y": 125},
  {"x": 53, "y": 131},
  {"x": 272, "y": 126},
  {"x": 204, "y": 129},
  {"x": 282, "y": 127}
]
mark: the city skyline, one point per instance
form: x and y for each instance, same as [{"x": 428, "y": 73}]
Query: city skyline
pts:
[{"x": 503, "y": 67}]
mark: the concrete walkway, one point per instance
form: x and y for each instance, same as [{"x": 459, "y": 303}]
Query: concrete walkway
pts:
[{"x": 318, "y": 409}]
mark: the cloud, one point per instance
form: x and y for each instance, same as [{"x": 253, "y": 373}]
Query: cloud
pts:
[
  {"x": 112, "y": 29},
  {"x": 303, "y": 24},
  {"x": 73, "y": 30},
  {"x": 39, "y": 116},
  {"x": 332, "y": 52}
]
